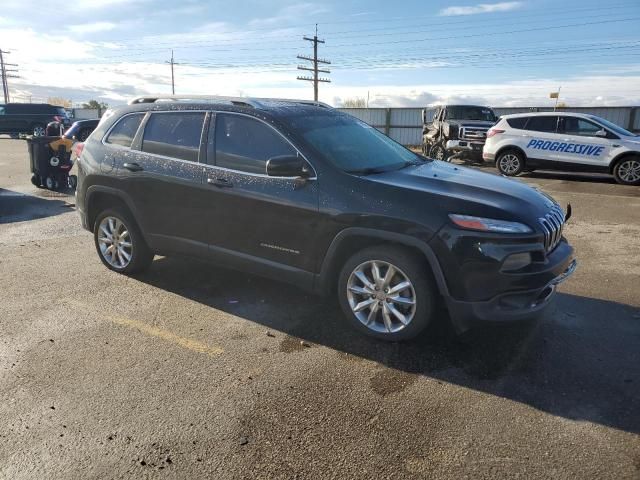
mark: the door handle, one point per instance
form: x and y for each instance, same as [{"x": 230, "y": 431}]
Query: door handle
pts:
[
  {"x": 132, "y": 167},
  {"x": 220, "y": 182}
]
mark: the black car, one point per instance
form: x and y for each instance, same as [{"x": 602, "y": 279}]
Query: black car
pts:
[
  {"x": 81, "y": 129},
  {"x": 30, "y": 118},
  {"x": 302, "y": 193}
]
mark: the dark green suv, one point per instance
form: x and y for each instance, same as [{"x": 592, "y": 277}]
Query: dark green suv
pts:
[{"x": 30, "y": 118}]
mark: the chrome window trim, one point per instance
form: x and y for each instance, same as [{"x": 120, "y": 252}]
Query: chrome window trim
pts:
[
  {"x": 115, "y": 145},
  {"x": 217, "y": 112}
]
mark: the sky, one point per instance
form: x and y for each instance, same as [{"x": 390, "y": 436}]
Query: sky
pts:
[{"x": 396, "y": 54}]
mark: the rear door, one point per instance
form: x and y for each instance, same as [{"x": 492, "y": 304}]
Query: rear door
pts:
[
  {"x": 270, "y": 220},
  {"x": 163, "y": 177},
  {"x": 579, "y": 144},
  {"x": 538, "y": 135}
]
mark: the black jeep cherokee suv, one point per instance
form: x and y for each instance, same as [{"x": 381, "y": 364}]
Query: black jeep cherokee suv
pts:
[{"x": 302, "y": 193}]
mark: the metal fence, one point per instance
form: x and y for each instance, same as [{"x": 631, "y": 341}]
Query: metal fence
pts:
[{"x": 404, "y": 125}]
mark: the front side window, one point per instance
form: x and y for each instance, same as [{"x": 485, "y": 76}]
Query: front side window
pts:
[
  {"x": 1, "y": 110},
  {"x": 578, "y": 126},
  {"x": 350, "y": 144},
  {"x": 613, "y": 127},
  {"x": 125, "y": 130},
  {"x": 245, "y": 144},
  {"x": 543, "y": 124},
  {"x": 174, "y": 134}
]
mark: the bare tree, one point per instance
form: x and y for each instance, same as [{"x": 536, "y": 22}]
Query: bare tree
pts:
[{"x": 354, "y": 102}]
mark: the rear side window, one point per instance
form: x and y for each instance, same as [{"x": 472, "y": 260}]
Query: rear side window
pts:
[
  {"x": 125, "y": 130},
  {"x": 245, "y": 144},
  {"x": 517, "y": 123},
  {"x": 543, "y": 124},
  {"x": 174, "y": 134}
]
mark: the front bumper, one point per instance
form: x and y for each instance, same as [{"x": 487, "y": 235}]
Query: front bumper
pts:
[
  {"x": 465, "y": 146},
  {"x": 507, "y": 307}
]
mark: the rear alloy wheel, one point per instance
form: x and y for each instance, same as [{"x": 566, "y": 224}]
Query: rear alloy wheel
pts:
[
  {"x": 120, "y": 244},
  {"x": 438, "y": 152},
  {"x": 510, "y": 163},
  {"x": 38, "y": 131},
  {"x": 385, "y": 293},
  {"x": 627, "y": 171}
]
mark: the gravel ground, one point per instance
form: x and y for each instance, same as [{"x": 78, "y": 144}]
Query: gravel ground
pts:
[{"x": 191, "y": 371}]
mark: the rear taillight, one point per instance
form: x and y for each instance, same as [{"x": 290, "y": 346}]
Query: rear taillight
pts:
[
  {"x": 78, "y": 148},
  {"x": 493, "y": 131}
]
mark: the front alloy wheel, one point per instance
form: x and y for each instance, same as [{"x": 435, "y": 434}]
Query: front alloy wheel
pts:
[
  {"x": 115, "y": 243},
  {"x": 386, "y": 292},
  {"x": 438, "y": 152},
  {"x": 381, "y": 296},
  {"x": 627, "y": 172}
]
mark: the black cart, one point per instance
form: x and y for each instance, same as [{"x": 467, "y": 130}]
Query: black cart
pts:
[{"x": 49, "y": 167}]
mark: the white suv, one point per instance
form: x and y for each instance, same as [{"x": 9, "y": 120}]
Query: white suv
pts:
[{"x": 563, "y": 141}]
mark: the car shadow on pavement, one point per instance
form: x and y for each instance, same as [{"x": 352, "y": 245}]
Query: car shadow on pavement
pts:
[
  {"x": 580, "y": 362},
  {"x": 571, "y": 176},
  {"x": 20, "y": 207}
]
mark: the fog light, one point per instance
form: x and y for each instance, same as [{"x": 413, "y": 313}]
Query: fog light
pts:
[{"x": 516, "y": 261}]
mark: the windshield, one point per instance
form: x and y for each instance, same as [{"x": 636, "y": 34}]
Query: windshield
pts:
[
  {"x": 352, "y": 145},
  {"x": 471, "y": 113},
  {"x": 613, "y": 127}
]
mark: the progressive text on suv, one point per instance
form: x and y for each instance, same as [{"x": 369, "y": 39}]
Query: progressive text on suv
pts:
[{"x": 299, "y": 192}]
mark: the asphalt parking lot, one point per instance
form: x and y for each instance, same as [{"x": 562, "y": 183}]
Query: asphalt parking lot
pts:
[{"x": 190, "y": 371}]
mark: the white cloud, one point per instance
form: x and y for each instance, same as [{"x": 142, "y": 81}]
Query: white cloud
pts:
[
  {"x": 91, "y": 27},
  {"x": 99, "y": 4},
  {"x": 480, "y": 8}
]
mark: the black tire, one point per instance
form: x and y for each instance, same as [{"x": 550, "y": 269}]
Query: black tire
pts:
[
  {"x": 408, "y": 265},
  {"x": 38, "y": 130},
  {"x": 627, "y": 171},
  {"x": 141, "y": 254},
  {"x": 35, "y": 179},
  {"x": 510, "y": 163},
  {"x": 438, "y": 152}
]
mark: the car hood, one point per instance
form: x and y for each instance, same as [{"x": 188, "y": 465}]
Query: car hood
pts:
[{"x": 468, "y": 191}]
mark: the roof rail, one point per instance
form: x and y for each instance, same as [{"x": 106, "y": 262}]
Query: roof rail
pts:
[{"x": 239, "y": 101}]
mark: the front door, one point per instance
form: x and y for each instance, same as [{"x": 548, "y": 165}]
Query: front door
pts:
[
  {"x": 261, "y": 219},
  {"x": 580, "y": 145}
]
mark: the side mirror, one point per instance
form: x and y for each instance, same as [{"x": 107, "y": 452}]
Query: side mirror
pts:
[
  {"x": 287, "y": 166},
  {"x": 601, "y": 133}
]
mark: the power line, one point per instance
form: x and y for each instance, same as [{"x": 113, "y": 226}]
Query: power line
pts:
[{"x": 315, "y": 61}]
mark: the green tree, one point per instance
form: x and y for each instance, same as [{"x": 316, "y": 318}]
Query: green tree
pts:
[{"x": 95, "y": 105}]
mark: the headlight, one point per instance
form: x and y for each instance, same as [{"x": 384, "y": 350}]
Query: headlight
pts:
[{"x": 488, "y": 224}]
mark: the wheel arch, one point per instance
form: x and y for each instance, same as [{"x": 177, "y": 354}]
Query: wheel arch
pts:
[
  {"x": 501, "y": 150},
  {"x": 99, "y": 197},
  {"x": 354, "y": 239},
  {"x": 618, "y": 158}
]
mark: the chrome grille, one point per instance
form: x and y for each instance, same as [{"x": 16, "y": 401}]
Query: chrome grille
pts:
[
  {"x": 552, "y": 225},
  {"x": 473, "y": 133}
]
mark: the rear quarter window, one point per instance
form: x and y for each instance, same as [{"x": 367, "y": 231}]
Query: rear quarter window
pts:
[
  {"x": 125, "y": 130},
  {"x": 517, "y": 123},
  {"x": 543, "y": 124}
]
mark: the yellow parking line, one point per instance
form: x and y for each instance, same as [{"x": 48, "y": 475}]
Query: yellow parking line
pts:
[{"x": 166, "y": 335}]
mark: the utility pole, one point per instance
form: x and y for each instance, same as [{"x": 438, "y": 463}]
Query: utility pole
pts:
[
  {"x": 315, "y": 61},
  {"x": 173, "y": 83},
  {"x": 6, "y": 73}
]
